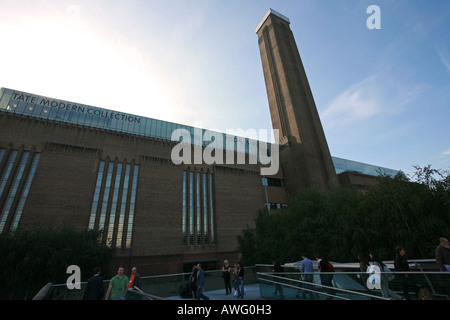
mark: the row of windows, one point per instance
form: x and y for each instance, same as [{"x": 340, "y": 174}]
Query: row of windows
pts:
[
  {"x": 198, "y": 209},
  {"x": 17, "y": 171},
  {"x": 276, "y": 206},
  {"x": 114, "y": 202}
]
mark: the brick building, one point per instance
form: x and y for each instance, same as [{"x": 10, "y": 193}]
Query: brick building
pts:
[{"x": 65, "y": 162}]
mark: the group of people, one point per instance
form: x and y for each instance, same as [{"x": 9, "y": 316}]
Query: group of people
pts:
[
  {"x": 401, "y": 265},
  {"x": 324, "y": 267},
  {"x": 238, "y": 278},
  {"x": 118, "y": 285},
  {"x": 197, "y": 280}
]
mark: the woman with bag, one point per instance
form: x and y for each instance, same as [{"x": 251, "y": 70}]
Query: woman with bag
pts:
[
  {"x": 240, "y": 281},
  {"x": 385, "y": 276},
  {"x": 193, "y": 282}
]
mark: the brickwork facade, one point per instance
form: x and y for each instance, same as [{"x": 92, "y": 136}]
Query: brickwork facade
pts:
[{"x": 64, "y": 185}]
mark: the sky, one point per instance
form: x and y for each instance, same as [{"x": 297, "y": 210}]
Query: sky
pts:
[{"x": 383, "y": 95}]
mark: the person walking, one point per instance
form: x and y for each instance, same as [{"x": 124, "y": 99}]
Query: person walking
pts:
[
  {"x": 384, "y": 276},
  {"x": 235, "y": 279},
  {"x": 325, "y": 276},
  {"x": 401, "y": 265},
  {"x": 307, "y": 271},
  {"x": 201, "y": 283},
  {"x": 193, "y": 282},
  {"x": 94, "y": 289},
  {"x": 363, "y": 262},
  {"x": 363, "y": 265},
  {"x": 118, "y": 287},
  {"x": 383, "y": 279},
  {"x": 278, "y": 287},
  {"x": 226, "y": 274},
  {"x": 442, "y": 253}
]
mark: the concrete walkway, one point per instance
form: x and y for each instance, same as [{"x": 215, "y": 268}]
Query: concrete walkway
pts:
[{"x": 251, "y": 294}]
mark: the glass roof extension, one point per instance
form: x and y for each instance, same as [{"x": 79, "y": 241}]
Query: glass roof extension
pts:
[{"x": 32, "y": 105}]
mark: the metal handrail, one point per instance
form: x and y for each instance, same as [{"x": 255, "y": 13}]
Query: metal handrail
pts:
[
  {"x": 138, "y": 291},
  {"x": 360, "y": 272},
  {"x": 316, "y": 285},
  {"x": 305, "y": 289},
  {"x": 170, "y": 282}
]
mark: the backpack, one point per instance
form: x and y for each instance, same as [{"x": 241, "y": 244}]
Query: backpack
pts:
[
  {"x": 330, "y": 266},
  {"x": 389, "y": 276}
]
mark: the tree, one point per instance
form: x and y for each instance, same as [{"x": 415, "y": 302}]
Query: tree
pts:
[
  {"x": 315, "y": 222},
  {"x": 410, "y": 213},
  {"x": 33, "y": 257},
  {"x": 341, "y": 222}
]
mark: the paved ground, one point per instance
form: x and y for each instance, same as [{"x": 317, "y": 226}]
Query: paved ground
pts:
[{"x": 251, "y": 294}]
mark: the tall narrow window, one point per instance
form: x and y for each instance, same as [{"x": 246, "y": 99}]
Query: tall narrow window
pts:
[
  {"x": 121, "y": 187},
  {"x": 107, "y": 189},
  {"x": 25, "y": 191},
  {"x": 191, "y": 208},
  {"x": 123, "y": 206},
  {"x": 112, "y": 216},
  {"x": 205, "y": 211},
  {"x": 132, "y": 207},
  {"x": 211, "y": 203},
  {"x": 20, "y": 171},
  {"x": 184, "y": 213},
  {"x": 7, "y": 172},
  {"x": 199, "y": 209},
  {"x": 13, "y": 190},
  {"x": 198, "y": 199},
  {"x": 97, "y": 190}
]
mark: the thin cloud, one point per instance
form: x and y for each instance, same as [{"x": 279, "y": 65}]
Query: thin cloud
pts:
[
  {"x": 379, "y": 93},
  {"x": 355, "y": 104},
  {"x": 445, "y": 59}
]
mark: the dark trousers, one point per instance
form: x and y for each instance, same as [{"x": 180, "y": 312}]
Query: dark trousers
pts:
[
  {"x": 226, "y": 280},
  {"x": 200, "y": 294},
  {"x": 408, "y": 283}
]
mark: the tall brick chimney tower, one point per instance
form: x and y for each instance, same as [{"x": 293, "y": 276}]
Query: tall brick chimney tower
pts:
[{"x": 304, "y": 154}]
